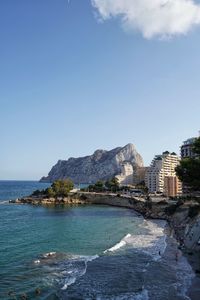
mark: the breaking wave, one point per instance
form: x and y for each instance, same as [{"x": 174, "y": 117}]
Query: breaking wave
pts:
[
  {"x": 4, "y": 202},
  {"x": 153, "y": 242},
  {"x": 61, "y": 269},
  {"x": 119, "y": 245}
]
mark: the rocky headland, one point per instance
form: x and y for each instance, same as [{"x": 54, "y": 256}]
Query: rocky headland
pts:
[
  {"x": 183, "y": 216},
  {"x": 101, "y": 165}
]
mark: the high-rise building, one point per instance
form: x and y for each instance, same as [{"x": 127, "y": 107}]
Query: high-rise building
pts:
[
  {"x": 187, "y": 152},
  {"x": 161, "y": 167},
  {"x": 172, "y": 186},
  {"x": 186, "y": 148}
]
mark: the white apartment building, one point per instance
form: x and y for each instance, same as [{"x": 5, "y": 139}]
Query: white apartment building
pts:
[{"x": 162, "y": 166}]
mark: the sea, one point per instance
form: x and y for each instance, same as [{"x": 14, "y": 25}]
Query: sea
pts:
[{"x": 85, "y": 252}]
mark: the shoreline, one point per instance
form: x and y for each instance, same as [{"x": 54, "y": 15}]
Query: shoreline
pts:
[
  {"x": 193, "y": 259},
  {"x": 180, "y": 225},
  {"x": 182, "y": 267}
]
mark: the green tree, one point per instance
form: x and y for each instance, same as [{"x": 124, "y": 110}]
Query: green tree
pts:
[
  {"x": 37, "y": 193},
  {"x": 189, "y": 173},
  {"x": 91, "y": 188},
  {"x": 62, "y": 187},
  {"x": 50, "y": 192},
  {"x": 189, "y": 169},
  {"x": 112, "y": 184},
  {"x": 99, "y": 186},
  {"x": 196, "y": 147},
  {"x": 141, "y": 185}
]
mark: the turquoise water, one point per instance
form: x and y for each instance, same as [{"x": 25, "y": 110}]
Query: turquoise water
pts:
[
  {"x": 97, "y": 252},
  {"x": 10, "y": 190}
]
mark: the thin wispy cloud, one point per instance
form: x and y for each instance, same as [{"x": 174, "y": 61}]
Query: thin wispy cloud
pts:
[{"x": 153, "y": 18}]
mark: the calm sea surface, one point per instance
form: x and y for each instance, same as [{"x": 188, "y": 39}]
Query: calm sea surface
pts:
[{"x": 84, "y": 252}]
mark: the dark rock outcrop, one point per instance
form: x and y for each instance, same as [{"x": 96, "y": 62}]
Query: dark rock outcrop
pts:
[{"x": 101, "y": 165}]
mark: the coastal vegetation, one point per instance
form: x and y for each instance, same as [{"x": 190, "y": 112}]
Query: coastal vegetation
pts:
[
  {"x": 141, "y": 186},
  {"x": 189, "y": 169},
  {"x": 60, "y": 188},
  {"x": 111, "y": 185}
]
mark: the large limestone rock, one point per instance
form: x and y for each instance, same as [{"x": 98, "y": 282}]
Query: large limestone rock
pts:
[{"x": 101, "y": 165}]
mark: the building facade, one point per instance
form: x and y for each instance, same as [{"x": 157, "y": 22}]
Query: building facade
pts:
[
  {"x": 172, "y": 186},
  {"x": 187, "y": 152},
  {"x": 186, "y": 148},
  {"x": 163, "y": 166}
]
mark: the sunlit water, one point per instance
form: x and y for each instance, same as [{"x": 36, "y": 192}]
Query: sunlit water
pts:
[{"x": 97, "y": 252}]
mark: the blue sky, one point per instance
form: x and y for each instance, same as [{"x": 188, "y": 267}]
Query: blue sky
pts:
[{"x": 71, "y": 84}]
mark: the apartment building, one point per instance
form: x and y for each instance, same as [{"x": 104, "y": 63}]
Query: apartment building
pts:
[
  {"x": 172, "y": 186},
  {"x": 187, "y": 152},
  {"x": 163, "y": 166},
  {"x": 186, "y": 148}
]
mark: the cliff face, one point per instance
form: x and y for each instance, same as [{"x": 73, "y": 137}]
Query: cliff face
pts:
[{"x": 101, "y": 165}]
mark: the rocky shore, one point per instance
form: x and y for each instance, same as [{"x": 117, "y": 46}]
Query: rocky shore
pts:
[
  {"x": 183, "y": 218},
  {"x": 70, "y": 200}
]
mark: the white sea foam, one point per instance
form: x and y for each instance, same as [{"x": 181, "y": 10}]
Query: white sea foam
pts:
[
  {"x": 89, "y": 258},
  {"x": 48, "y": 254},
  {"x": 37, "y": 261},
  {"x": 76, "y": 272},
  {"x": 68, "y": 283},
  {"x": 153, "y": 242},
  {"x": 64, "y": 269},
  {"x": 4, "y": 202},
  {"x": 119, "y": 245}
]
